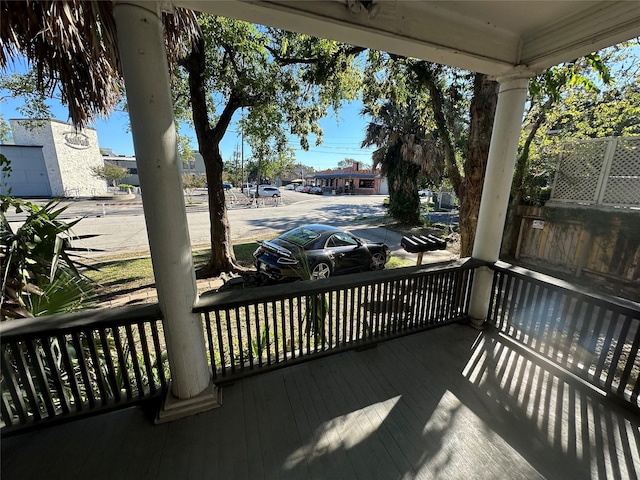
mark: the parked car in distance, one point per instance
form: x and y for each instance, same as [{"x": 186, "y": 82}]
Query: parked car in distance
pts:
[
  {"x": 227, "y": 186},
  {"x": 317, "y": 251},
  {"x": 290, "y": 186},
  {"x": 316, "y": 190},
  {"x": 299, "y": 188},
  {"x": 265, "y": 191},
  {"x": 424, "y": 193}
]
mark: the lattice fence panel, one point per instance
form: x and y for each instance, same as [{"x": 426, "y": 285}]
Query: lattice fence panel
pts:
[
  {"x": 579, "y": 172},
  {"x": 622, "y": 187}
]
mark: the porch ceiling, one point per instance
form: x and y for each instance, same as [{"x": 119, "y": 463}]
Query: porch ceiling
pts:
[{"x": 486, "y": 36}]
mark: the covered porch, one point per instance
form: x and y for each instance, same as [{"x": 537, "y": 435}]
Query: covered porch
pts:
[
  {"x": 547, "y": 388},
  {"x": 446, "y": 403},
  {"x": 388, "y": 381}
]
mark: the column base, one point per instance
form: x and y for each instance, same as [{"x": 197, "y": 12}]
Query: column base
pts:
[
  {"x": 477, "y": 323},
  {"x": 176, "y": 408}
]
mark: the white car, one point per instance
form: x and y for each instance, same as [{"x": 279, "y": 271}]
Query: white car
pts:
[
  {"x": 265, "y": 191},
  {"x": 290, "y": 186}
]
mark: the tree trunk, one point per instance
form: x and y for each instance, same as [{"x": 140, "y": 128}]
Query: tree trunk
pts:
[
  {"x": 468, "y": 187},
  {"x": 482, "y": 113},
  {"x": 222, "y": 256}
]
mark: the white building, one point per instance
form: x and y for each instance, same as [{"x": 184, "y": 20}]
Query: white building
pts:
[
  {"x": 195, "y": 166},
  {"x": 52, "y": 159}
]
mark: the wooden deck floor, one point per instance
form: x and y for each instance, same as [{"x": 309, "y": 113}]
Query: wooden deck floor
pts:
[{"x": 448, "y": 403}]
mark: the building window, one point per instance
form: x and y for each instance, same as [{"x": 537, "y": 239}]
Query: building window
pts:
[{"x": 366, "y": 183}]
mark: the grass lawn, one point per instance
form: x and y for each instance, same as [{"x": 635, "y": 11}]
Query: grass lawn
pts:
[{"x": 120, "y": 276}]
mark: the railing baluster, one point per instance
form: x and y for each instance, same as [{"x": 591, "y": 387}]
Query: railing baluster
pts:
[
  {"x": 615, "y": 359},
  {"x": 38, "y": 370},
  {"x": 300, "y": 329},
  {"x": 133, "y": 352},
  {"x": 424, "y": 301},
  {"x": 267, "y": 329},
  {"x": 236, "y": 314},
  {"x": 55, "y": 374},
  {"x": 111, "y": 375},
  {"x": 276, "y": 330},
  {"x": 158, "y": 350},
  {"x": 7, "y": 414},
  {"x": 261, "y": 345},
  {"x": 283, "y": 330},
  {"x": 212, "y": 357},
  {"x": 606, "y": 350},
  {"x": 221, "y": 349},
  {"x": 71, "y": 374},
  {"x": 122, "y": 364},
  {"x": 292, "y": 333},
  {"x": 247, "y": 326},
  {"x": 147, "y": 358},
  {"x": 15, "y": 391}
]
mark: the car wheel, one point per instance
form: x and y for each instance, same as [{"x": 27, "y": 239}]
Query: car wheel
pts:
[
  {"x": 378, "y": 260},
  {"x": 321, "y": 270},
  {"x": 275, "y": 196}
]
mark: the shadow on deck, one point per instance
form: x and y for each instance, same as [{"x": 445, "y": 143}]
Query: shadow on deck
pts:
[{"x": 445, "y": 403}]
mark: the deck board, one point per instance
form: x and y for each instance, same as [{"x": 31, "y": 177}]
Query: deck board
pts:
[{"x": 446, "y": 403}]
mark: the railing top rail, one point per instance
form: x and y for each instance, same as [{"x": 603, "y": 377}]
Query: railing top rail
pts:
[
  {"x": 37, "y": 326},
  {"x": 236, "y": 298},
  {"x": 622, "y": 305}
]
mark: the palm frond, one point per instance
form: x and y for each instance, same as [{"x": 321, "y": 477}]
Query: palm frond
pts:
[{"x": 73, "y": 46}]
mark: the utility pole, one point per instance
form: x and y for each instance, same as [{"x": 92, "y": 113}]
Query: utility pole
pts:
[{"x": 242, "y": 151}]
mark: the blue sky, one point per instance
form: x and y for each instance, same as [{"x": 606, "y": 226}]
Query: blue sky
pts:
[{"x": 342, "y": 135}]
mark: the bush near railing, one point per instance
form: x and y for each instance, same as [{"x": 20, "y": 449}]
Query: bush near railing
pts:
[
  {"x": 253, "y": 329},
  {"x": 59, "y": 366},
  {"x": 595, "y": 337}
]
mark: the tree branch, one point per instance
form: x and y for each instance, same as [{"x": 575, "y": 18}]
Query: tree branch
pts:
[{"x": 284, "y": 61}]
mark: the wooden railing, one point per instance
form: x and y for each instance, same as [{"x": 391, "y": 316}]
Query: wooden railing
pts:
[
  {"x": 256, "y": 329},
  {"x": 595, "y": 337},
  {"x": 68, "y": 365}
]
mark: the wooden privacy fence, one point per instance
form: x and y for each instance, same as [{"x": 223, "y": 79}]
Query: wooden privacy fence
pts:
[
  {"x": 593, "y": 337},
  {"x": 253, "y": 330}
]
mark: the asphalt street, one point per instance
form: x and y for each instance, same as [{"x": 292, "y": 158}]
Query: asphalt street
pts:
[{"x": 112, "y": 226}]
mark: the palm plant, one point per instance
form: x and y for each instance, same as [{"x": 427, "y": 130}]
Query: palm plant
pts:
[
  {"x": 406, "y": 150},
  {"x": 38, "y": 275},
  {"x": 73, "y": 47}
]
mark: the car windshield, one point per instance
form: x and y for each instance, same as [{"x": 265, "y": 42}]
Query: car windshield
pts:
[{"x": 300, "y": 236}]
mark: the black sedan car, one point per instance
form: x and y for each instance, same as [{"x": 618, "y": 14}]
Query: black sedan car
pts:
[{"x": 317, "y": 251}]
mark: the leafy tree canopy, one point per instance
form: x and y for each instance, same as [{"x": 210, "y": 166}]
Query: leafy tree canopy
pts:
[{"x": 285, "y": 82}]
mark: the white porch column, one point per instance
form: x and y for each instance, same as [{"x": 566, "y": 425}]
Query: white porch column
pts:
[
  {"x": 497, "y": 186},
  {"x": 144, "y": 61}
]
